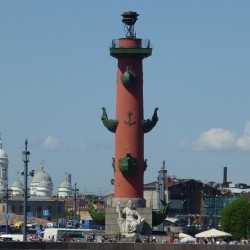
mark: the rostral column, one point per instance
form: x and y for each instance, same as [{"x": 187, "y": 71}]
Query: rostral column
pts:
[{"x": 129, "y": 126}]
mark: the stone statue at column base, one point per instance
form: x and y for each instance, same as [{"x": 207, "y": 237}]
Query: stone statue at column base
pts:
[{"x": 129, "y": 220}]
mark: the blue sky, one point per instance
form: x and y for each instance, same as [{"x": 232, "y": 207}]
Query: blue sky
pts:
[{"x": 56, "y": 74}]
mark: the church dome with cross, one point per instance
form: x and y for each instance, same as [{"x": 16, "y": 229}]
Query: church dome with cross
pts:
[
  {"x": 17, "y": 187},
  {"x": 65, "y": 188},
  {"x": 41, "y": 184}
]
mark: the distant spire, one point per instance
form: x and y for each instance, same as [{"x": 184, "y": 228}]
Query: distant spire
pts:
[
  {"x": 42, "y": 165},
  {"x": 1, "y": 145}
]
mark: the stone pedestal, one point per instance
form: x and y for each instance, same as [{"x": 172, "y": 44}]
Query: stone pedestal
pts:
[
  {"x": 111, "y": 224},
  {"x": 137, "y": 202}
]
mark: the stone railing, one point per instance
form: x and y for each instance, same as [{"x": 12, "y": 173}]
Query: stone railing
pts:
[{"x": 117, "y": 246}]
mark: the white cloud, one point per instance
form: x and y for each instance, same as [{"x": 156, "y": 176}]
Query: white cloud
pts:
[
  {"x": 215, "y": 139},
  {"x": 52, "y": 143},
  {"x": 243, "y": 142},
  {"x": 247, "y": 128},
  {"x": 218, "y": 139}
]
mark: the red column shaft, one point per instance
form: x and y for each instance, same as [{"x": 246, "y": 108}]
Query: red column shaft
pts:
[{"x": 129, "y": 138}]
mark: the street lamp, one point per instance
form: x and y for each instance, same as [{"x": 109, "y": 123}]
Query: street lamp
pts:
[
  {"x": 75, "y": 190},
  {"x": 25, "y": 155},
  {"x": 187, "y": 200}
]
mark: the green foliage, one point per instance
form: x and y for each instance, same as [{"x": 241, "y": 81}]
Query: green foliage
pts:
[
  {"x": 235, "y": 218},
  {"x": 69, "y": 215}
]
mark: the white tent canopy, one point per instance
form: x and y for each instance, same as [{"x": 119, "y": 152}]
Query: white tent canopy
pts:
[
  {"x": 188, "y": 240},
  {"x": 212, "y": 233},
  {"x": 183, "y": 235}
]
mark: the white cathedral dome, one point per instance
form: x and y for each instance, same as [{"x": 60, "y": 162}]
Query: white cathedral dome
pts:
[
  {"x": 41, "y": 184},
  {"x": 41, "y": 176},
  {"x": 65, "y": 189},
  {"x": 44, "y": 188},
  {"x": 17, "y": 187}
]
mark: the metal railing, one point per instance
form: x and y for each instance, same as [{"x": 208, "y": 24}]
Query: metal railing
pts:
[{"x": 145, "y": 44}]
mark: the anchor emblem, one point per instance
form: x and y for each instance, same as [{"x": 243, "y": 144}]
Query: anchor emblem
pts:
[{"x": 129, "y": 122}]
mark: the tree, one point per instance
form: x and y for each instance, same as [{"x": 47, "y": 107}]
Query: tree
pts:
[
  {"x": 69, "y": 215},
  {"x": 235, "y": 218}
]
